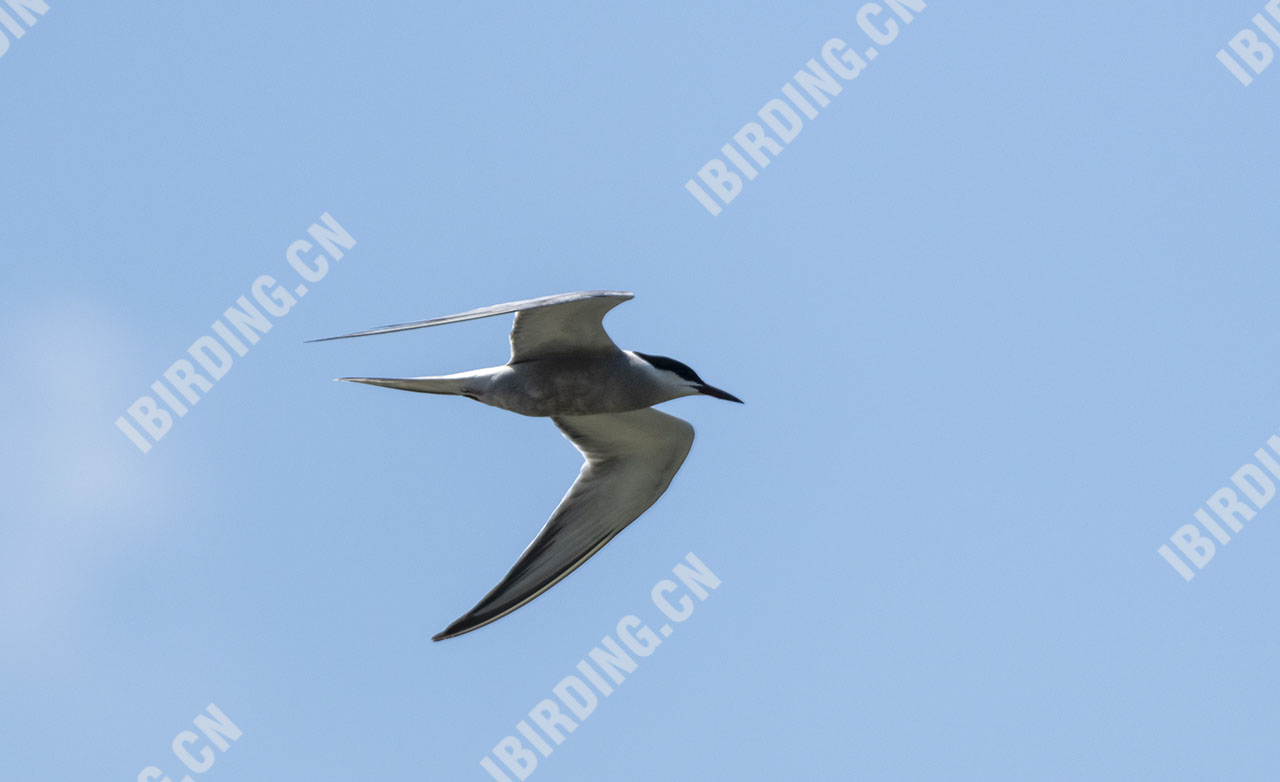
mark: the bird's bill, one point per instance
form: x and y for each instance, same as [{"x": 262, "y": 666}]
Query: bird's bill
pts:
[{"x": 718, "y": 394}]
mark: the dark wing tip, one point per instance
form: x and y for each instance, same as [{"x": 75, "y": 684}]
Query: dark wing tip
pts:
[
  {"x": 460, "y": 626},
  {"x": 371, "y": 332},
  {"x": 344, "y": 336}
]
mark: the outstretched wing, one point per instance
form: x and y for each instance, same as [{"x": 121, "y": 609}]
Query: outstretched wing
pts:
[
  {"x": 567, "y": 322},
  {"x": 572, "y": 326},
  {"x": 631, "y": 458}
]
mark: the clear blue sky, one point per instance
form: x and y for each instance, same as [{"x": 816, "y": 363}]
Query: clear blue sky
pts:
[{"x": 1004, "y": 316}]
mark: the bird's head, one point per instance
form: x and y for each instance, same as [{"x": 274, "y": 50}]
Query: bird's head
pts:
[{"x": 681, "y": 380}]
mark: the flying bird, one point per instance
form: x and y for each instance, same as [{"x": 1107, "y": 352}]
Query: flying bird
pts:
[{"x": 565, "y": 367}]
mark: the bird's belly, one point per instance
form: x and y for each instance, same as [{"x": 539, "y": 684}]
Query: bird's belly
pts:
[{"x": 558, "y": 387}]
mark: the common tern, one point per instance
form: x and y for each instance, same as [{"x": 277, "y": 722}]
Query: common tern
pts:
[{"x": 564, "y": 366}]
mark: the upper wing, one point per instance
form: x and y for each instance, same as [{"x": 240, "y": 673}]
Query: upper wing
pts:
[
  {"x": 630, "y": 460},
  {"x": 544, "y": 326},
  {"x": 570, "y": 326}
]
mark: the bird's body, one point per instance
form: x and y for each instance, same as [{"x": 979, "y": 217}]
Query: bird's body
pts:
[
  {"x": 613, "y": 382},
  {"x": 564, "y": 366},
  {"x": 576, "y": 385}
]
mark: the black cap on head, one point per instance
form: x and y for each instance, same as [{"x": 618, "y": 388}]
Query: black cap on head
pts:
[
  {"x": 671, "y": 365},
  {"x": 685, "y": 372}
]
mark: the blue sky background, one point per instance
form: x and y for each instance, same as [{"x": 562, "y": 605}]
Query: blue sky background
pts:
[{"x": 1004, "y": 316}]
